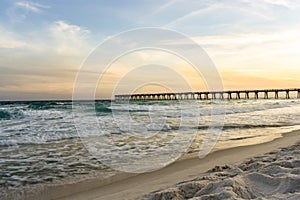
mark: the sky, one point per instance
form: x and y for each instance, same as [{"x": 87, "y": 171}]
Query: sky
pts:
[{"x": 253, "y": 43}]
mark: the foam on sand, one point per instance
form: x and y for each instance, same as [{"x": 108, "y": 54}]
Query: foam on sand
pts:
[{"x": 275, "y": 175}]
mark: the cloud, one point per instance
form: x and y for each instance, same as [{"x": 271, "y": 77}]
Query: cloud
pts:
[
  {"x": 31, "y": 6},
  {"x": 261, "y": 54},
  {"x": 269, "y": 5},
  {"x": 58, "y": 38},
  {"x": 281, "y": 42},
  {"x": 55, "y": 41},
  {"x": 165, "y": 6},
  {"x": 284, "y": 3},
  {"x": 47, "y": 59},
  {"x": 218, "y": 12},
  {"x": 8, "y": 40},
  {"x": 69, "y": 39},
  {"x": 192, "y": 14},
  {"x": 19, "y": 11},
  {"x": 63, "y": 26}
]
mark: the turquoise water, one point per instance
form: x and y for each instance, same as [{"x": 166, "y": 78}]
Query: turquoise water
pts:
[{"x": 39, "y": 142}]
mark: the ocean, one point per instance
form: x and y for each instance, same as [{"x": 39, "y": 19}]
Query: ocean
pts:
[{"x": 40, "y": 141}]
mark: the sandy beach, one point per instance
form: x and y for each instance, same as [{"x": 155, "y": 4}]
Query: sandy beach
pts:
[
  {"x": 265, "y": 173},
  {"x": 274, "y": 175}
]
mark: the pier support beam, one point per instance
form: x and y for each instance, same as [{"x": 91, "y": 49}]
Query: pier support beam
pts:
[
  {"x": 246, "y": 95},
  {"x": 222, "y": 95},
  {"x": 206, "y": 96},
  {"x": 256, "y": 94},
  {"x": 266, "y": 96},
  {"x": 287, "y": 94},
  {"x": 229, "y": 95},
  {"x": 276, "y": 95},
  {"x": 213, "y": 95}
]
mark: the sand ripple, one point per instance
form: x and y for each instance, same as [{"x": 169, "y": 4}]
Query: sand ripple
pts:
[{"x": 275, "y": 175}]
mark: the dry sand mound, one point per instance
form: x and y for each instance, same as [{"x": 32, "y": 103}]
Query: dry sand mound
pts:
[{"x": 275, "y": 175}]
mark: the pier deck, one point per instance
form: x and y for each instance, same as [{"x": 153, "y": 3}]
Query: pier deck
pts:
[{"x": 231, "y": 94}]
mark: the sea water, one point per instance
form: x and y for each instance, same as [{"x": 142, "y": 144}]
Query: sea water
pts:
[{"x": 40, "y": 142}]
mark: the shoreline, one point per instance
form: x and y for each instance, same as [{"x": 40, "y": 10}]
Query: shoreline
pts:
[{"x": 131, "y": 186}]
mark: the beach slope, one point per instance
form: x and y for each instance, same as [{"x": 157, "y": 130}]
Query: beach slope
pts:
[
  {"x": 248, "y": 172},
  {"x": 275, "y": 175}
]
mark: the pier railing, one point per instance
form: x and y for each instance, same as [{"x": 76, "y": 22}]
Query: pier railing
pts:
[{"x": 231, "y": 94}]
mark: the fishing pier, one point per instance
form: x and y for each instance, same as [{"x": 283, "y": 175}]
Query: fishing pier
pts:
[{"x": 209, "y": 95}]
